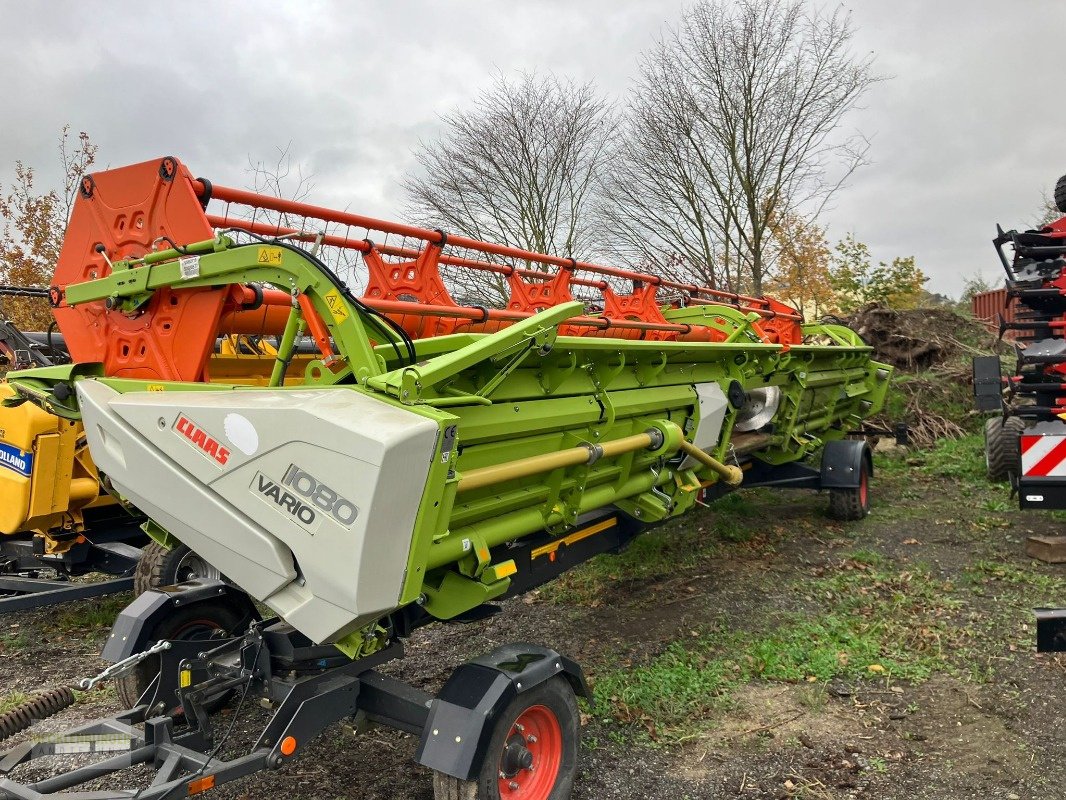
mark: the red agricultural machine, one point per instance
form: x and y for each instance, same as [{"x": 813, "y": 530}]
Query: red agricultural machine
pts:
[{"x": 1026, "y": 442}]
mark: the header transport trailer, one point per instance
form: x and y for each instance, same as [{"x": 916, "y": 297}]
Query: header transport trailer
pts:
[{"x": 428, "y": 459}]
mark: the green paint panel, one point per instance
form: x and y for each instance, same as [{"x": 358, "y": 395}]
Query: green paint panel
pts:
[{"x": 525, "y": 393}]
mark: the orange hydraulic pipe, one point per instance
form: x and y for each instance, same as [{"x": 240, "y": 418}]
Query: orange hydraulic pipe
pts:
[
  {"x": 270, "y": 318},
  {"x": 266, "y": 229}
]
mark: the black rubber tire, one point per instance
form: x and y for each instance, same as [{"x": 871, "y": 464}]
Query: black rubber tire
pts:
[
  {"x": 206, "y": 621},
  {"x": 1060, "y": 194},
  {"x": 163, "y": 566},
  {"x": 852, "y": 503},
  {"x": 1002, "y": 455},
  {"x": 556, "y": 695}
]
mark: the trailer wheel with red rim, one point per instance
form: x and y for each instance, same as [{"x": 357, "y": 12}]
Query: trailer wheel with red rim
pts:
[
  {"x": 533, "y": 751},
  {"x": 852, "y": 502}
]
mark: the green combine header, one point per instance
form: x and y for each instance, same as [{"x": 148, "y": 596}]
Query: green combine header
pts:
[{"x": 377, "y": 462}]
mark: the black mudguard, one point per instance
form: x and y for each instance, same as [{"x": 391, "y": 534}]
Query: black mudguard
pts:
[
  {"x": 842, "y": 463},
  {"x": 131, "y": 632},
  {"x": 463, "y": 716},
  {"x": 1050, "y": 630}
]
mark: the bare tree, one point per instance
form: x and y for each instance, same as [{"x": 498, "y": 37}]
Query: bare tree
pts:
[
  {"x": 734, "y": 122},
  {"x": 517, "y": 167},
  {"x": 279, "y": 178},
  {"x": 1049, "y": 210}
]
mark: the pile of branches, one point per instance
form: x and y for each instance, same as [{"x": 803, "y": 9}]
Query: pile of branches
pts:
[
  {"x": 923, "y": 393},
  {"x": 931, "y": 349},
  {"x": 917, "y": 339}
]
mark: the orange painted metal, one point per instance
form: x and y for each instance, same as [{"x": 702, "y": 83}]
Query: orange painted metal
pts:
[
  {"x": 783, "y": 327},
  {"x": 128, "y": 212},
  {"x": 534, "y": 295},
  {"x": 315, "y": 325},
  {"x": 641, "y": 304},
  {"x": 267, "y": 319},
  {"x": 123, "y": 212}
]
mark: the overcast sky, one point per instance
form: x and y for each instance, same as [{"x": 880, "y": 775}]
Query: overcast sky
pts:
[{"x": 970, "y": 130}]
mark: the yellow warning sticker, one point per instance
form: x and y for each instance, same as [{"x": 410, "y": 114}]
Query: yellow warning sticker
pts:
[
  {"x": 270, "y": 256},
  {"x": 156, "y": 387},
  {"x": 336, "y": 305}
]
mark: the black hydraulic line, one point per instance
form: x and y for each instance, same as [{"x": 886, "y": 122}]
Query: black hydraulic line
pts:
[
  {"x": 373, "y": 317},
  {"x": 1027, "y": 250},
  {"x": 1026, "y": 325},
  {"x": 1036, "y": 412},
  {"x": 1034, "y": 293},
  {"x": 10, "y": 290},
  {"x": 1021, "y": 387}
]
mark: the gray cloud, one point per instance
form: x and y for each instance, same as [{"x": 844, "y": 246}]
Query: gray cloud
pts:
[{"x": 968, "y": 132}]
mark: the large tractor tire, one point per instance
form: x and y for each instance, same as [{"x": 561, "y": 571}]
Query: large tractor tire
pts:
[
  {"x": 532, "y": 754},
  {"x": 1002, "y": 454},
  {"x": 1060, "y": 194},
  {"x": 162, "y": 566}
]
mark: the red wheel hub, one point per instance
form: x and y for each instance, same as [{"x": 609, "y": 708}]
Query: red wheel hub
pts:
[
  {"x": 863, "y": 487},
  {"x": 532, "y": 755}
]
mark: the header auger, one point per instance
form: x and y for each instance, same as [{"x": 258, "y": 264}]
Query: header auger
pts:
[{"x": 400, "y": 457}]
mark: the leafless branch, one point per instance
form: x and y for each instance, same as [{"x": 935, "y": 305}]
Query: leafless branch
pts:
[
  {"x": 735, "y": 121},
  {"x": 518, "y": 167}
]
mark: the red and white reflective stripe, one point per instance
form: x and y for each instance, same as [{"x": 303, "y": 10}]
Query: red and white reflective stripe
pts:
[{"x": 1043, "y": 456}]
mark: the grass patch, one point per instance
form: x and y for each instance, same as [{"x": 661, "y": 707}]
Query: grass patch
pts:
[
  {"x": 89, "y": 614},
  {"x": 14, "y": 641},
  {"x": 678, "y": 545},
  {"x": 11, "y": 700},
  {"x": 865, "y": 621},
  {"x": 959, "y": 459},
  {"x": 1029, "y": 586},
  {"x": 893, "y": 463}
]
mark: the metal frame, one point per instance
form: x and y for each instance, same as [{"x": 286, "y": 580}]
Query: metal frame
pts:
[
  {"x": 328, "y": 687},
  {"x": 184, "y": 758},
  {"x": 111, "y": 551}
]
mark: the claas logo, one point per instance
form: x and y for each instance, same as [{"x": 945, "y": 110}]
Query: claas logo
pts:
[{"x": 201, "y": 439}]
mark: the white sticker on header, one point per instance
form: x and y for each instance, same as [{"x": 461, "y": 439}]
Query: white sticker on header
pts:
[
  {"x": 241, "y": 433},
  {"x": 190, "y": 267}
]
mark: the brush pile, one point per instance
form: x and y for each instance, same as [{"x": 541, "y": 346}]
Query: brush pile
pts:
[{"x": 931, "y": 349}]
